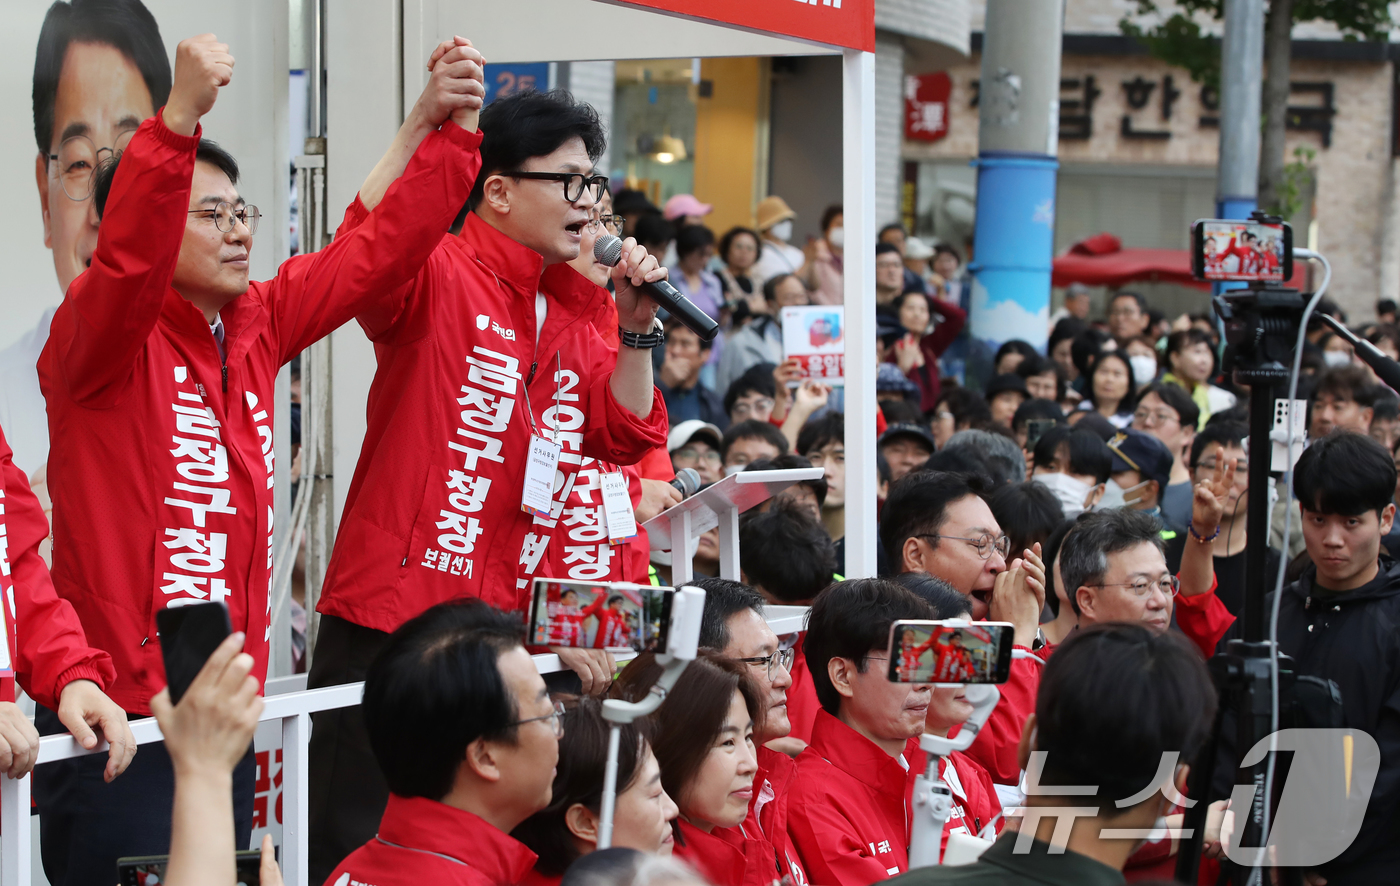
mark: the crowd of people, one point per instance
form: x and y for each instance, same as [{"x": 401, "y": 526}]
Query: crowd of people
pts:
[{"x": 1093, "y": 497}]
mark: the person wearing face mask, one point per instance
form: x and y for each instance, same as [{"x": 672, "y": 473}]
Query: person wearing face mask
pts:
[
  {"x": 823, "y": 272},
  {"x": 1075, "y": 464},
  {"x": 849, "y": 816},
  {"x": 773, "y": 219},
  {"x": 567, "y": 829},
  {"x": 1116, "y": 700},
  {"x": 1142, "y": 356},
  {"x": 1190, "y": 365},
  {"x": 1142, "y": 466},
  {"x": 704, "y": 742}
]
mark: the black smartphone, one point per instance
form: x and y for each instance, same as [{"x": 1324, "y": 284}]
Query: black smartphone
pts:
[
  {"x": 1036, "y": 428},
  {"x": 188, "y": 636},
  {"x": 599, "y": 615},
  {"x": 951, "y": 651},
  {"x": 149, "y": 870},
  {"x": 1251, "y": 251}
]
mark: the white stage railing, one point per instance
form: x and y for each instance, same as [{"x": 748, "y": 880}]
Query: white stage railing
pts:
[{"x": 294, "y": 710}]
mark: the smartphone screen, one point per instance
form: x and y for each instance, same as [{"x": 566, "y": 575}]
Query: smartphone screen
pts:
[
  {"x": 149, "y": 870},
  {"x": 188, "y": 636},
  {"x": 1242, "y": 251},
  {"x": 599, "y": 615},
  {"x": 1036, "y": 428},
  {"x": 950, "y": 652}
]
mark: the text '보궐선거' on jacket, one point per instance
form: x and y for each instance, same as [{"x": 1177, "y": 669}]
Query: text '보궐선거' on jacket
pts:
[
  {"x": 161, "y": 465},
  {"x": 433, "y": 512}
]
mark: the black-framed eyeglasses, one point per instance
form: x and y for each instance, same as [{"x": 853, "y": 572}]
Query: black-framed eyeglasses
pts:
[
  {"x": 77, "y": 160},
  {"x": 782, "y": 658},
  {"x": 1170, "y": 585},
  {"x": 225, "y": 217},
  {"x": 984, "y": 544},
  {"x": 556, "y": 717},
  {"x": 574, "y": 182},
  {"x": 606, "y": 220}
]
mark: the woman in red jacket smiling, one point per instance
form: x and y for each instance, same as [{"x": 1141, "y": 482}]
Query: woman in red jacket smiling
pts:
[{"x": 704, "y": 743}]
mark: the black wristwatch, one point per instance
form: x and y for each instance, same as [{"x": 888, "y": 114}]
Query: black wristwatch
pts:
[{"x": 642, "y": 341}]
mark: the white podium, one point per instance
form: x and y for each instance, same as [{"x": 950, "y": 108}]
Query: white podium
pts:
[{"x": 717, "y": 505}]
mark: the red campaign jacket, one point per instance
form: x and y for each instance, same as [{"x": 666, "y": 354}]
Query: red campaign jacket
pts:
[
  {"x": 161, "y": 466},
  {"x": 48, "y": 650},
  {"x": 433, "y": 510},
  {"x": 421, "y": 841},
  {"x": 975, "y": 805},
  {"x": 1203, "y": 619},
  {"x": 848, "y": 813},
  {"x": 768, "y": 812},
  {"x": 995, "y": 746},
  {"x": 727, "y": 856},
  {"x": 801, "y": 695}
]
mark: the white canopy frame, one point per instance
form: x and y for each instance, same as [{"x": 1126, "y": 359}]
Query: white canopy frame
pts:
[{"x": 373, "y": 46}]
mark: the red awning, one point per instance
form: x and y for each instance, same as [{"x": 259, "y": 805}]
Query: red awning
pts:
[{"x": 1101, "y": 260}]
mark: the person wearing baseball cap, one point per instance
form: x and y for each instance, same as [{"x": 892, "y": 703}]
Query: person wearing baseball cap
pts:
[
  {"x": 1142, "y": 466},
  {"x": 697, "y": 444},
  {"x": 906, "y": 446},
  {"x": 773, "y": 219},
  {"x": 686, "y": 209}
]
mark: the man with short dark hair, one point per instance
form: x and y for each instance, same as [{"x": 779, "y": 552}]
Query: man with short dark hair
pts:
[
  {"x": 496, "y": 349},
  {"x": 1127, "y": 317},
  {"x": 1336, "y": 621},
  {"x": 159, "y": 376},
  {"x": 848, "y": 814},
  {"x": 750, "y": 396},
  {"x": 750, "y": 441},
  {"x": 806, "y": 495},
  {"x": 823, "y": 443},
  {"x": 785, "y": 554},
  {"x": 1115, "y": 701},
  {"x": 466, "y": 735},
  {"x": 939, "y": 523},
  {"x": 678, "y": 379},
  {"x": 733, "y": 624},
  {"x": 1344, "y": 398},
  {"x": 889, "y": 273}
]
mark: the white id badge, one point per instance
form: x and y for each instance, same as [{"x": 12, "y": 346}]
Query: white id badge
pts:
[
  {"x": 617, "y": 508},
  {"x": 537, "y": 497}
]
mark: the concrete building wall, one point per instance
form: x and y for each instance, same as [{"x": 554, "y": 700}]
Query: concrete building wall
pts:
[{"x": 889, "y": 124}]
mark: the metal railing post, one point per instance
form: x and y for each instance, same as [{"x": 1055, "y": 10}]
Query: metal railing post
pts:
[
  {"x": 15, "y": 831},
  {"x": 296, "y": 797}
]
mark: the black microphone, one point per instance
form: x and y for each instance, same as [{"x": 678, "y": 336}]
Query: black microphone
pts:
[
  {"x": 687, "y": 479},
  {"x": 607, "y": 249},
  {"x": 1386, "y": 369}
]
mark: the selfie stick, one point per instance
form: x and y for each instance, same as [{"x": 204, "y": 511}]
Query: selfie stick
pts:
[
  {"x": 933, "y": 799},
  {"x": 682, "y": 645}
]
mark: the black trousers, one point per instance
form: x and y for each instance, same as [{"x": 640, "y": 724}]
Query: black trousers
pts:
[
  {"x": 85, "y": 824},
  {"x": 348, "y": 792}
]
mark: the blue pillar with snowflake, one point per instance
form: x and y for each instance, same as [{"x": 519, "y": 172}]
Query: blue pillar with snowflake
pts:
[{"x": 1014, "y": 236}]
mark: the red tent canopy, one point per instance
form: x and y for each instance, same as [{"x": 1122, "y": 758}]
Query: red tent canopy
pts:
[{"x": 1101, "y": 260}]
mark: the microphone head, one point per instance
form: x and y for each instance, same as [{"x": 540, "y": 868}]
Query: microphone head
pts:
[
  {"x": 687, "y": 479},
  {"x": 607, "y": 250}
]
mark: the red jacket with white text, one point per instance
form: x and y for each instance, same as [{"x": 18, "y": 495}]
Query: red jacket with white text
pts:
[
  {"x": 422, "y": 842},
  {"x": 433, "y": 511},
  {"x": 995, "y": 746},
  {"x": 848, "y": 813},
  {"x": 161, "y": 464},
  {"x": 45, "y": 645}
]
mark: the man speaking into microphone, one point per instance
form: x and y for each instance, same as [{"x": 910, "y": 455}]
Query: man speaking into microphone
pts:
[{"x": 494, "y": 386}]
